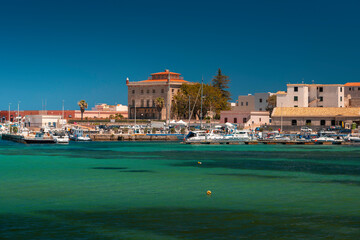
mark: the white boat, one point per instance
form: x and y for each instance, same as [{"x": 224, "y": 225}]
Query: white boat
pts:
[
  {"x": 323, "y": 139},
  {"x": 352, "y": 138},
  {"x": 39, "y": 137},
  {"x": 195, "y": 137},
  {"x": 62, "y": 139},
  {"x": 78, "y": 135},
  {"x": 239, "y": 136}
]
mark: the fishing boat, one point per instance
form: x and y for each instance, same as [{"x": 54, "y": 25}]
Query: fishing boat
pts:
[
  {"x": 39, "y": 137},
  {"x": 196, "y": 137},
  {"x": 78, "y": 135}
]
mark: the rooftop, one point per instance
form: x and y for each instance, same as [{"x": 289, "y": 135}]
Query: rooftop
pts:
[
  {"x": 315, "y": 112},
  {"x": 352, "y": 84},
  {"x": 313, "y": 84}
]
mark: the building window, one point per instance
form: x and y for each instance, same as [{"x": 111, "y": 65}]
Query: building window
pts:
[
  {"x": 260, "y": 109},
  {"x": 172, "y": 90},
  {"x": 142, "y": 102},
  {"x": 296, "y": 106},
  {"x": 341, "y": 89},
  {"x": 321, "y": 89},
  {"x": 153, "y": 91},
  {"x": 340, "y": 99},
  {"x": 322, "y": 122},
  {"x": 133, "y": 103},
  {"x": 225, "y": 120},
  {"x": 321, "y": 99},
  {"x": 148, "y": 91},
  {"x": 294, "y": 122},
  {"x": 295, "y": 98},
  {"x": 332, "y": 122},
  {"x": 148, "y": 103},
  {"x": 242, "y": 103},
  {"x": 247, "y": 103},
  {"x": 133, "y": 91},
  {"x": 295, "y": 89},
  {"x": 142, "y": 91},
  {"x": 358, "y": 88},
  {"x": 308, "y": 122},
  {"x": 70, "y": 116},
  {"x": 259, "y": 119},
  {"x": 244, "y": 120},
  {"x": 235, "y": 120},
  {"x": 349, "y": 88},
  {"x": 153, "y": 103},
  {"x": 260, "y": 100},
  {"x": 162, "y": 90}
]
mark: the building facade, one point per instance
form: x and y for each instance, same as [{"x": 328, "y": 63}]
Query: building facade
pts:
[
  {"x": 142, "y": 95},
  {"x": 250, "y": 119},
  {"x": 314, "y": 117},
  {"x": 312, "y": 95},
  {"x": 352, "y": 94},
  {"x": 256, "y": 102}
]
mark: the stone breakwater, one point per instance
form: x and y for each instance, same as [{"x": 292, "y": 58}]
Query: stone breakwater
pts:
[{"x": 136, "y": 137}]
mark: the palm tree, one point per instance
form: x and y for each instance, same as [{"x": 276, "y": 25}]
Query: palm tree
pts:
[
  {"x": 83, "y": 105},
  {"x": 159, "y": 103}
]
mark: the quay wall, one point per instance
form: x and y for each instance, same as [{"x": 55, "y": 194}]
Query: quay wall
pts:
[{"x": 134, "y": 137}]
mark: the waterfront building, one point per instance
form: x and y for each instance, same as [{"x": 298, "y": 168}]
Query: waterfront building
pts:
[
  {"x": 142, "y": 95},
  {"x": 114, "y": 108},
  {"x": 40, "y": 121},
  {"x": 311, "y": 95},
  {"x": 352, "y": 94},
  {"x": 250, "y": 119},
  {"x": 317, "y": 117},
  {"x": 256, "y": 102}
]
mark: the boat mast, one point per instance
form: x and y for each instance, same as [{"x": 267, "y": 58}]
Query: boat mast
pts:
[
  {"x": 189, "y": 114},
  {"x": 201, "y": 100},
  {"x": 168, "y": 101}
]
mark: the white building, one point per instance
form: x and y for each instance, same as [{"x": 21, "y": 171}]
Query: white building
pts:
[
  {"x": 44, "y": 120},
  {"x": 311, "y": 95}
]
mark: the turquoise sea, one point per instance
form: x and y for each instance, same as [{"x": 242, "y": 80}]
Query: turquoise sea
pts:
[{"x": 148, "y": 190}]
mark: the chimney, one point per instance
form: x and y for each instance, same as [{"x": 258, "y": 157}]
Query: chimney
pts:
[{"x": 127, "y": 80}]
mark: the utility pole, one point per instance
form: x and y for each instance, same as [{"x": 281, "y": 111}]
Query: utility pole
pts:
[{"x": 189, "y": 114}]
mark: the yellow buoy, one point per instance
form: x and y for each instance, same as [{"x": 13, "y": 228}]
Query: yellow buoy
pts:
[
  {"x": 208, "y": 192},
  {"x": 199, "y": 162}
]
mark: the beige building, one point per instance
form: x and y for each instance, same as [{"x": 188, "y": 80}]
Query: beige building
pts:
[
  {"x": 256, "y": 102},
  {"x": 249, "y": 119},
  {"x": 312, "y": 95},
  {"x": 314, "y": 116},
  {"x": 142, "y": 95},
  {"x": 352, "y": 94}
]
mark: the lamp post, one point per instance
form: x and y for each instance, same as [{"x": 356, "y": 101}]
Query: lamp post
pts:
[{"x": 18, "y": 114}]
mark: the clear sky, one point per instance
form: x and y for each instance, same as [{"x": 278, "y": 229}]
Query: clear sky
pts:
[{"x": 73, "y": 50}]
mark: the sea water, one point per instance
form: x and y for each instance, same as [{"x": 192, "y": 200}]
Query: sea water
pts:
[{"x": 156, "y": 190}]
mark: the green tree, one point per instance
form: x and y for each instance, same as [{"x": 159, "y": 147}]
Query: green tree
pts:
[
  {"x": 221, "y": 82},
  {"x": 271, "y": 103},
  {"x": 159, "y": 103},
  {"x": 83, "y": 105},
  {"x": 119, "y": 116},
  {"x": 213, "y": 101}
]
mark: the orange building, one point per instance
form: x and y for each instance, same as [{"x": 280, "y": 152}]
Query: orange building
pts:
[{"x": 142, "y": 95}]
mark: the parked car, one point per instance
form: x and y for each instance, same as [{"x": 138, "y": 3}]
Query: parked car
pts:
[{"x": 306, "y": 129}]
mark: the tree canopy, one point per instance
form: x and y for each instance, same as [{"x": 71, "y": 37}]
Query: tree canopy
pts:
[
  {"x": 271, "y": 103},
  {"x": 83, "y": 105},
  {"x": 213, "y": 101},
  {"x": 221, "y": 82}
]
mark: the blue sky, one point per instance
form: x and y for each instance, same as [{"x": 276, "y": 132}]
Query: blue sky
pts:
[{"x": 73, "y": 50}]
